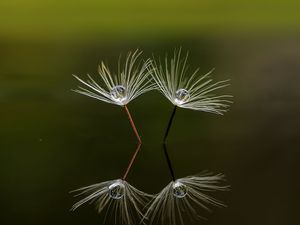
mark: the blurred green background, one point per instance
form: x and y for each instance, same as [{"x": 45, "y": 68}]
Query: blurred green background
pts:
[{"x": 54, "y": 140}]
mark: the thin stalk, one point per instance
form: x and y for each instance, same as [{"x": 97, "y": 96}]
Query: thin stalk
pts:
[
  {"x": 165, "y": 143},
  {"x": 139, "y": 143},
  {"x": 169, "y": 124},
  {"x": 133, "y": 125},
  {"x": 169, "y": 162},
  {"x": 131, "y": 161}
]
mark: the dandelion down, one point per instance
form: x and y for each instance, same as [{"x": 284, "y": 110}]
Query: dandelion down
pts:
[{"x": 182, "y": 196}]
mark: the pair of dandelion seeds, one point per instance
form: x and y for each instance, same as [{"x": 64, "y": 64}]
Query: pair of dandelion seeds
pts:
[{"x": 183, "y": 196}]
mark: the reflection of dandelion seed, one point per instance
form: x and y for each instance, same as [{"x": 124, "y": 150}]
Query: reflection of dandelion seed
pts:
[
  {"x": 121, "y": 200},
  {"x": 184, "y": 195},
  {"x": 117, "y": 198},
  {"x": 192, "y": 92}
]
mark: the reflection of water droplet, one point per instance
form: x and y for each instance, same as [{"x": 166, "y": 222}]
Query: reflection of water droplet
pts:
[
  {"x": 179, "y": 190},
  {"x": 116, "y": 190},
  {"x": 181, "y": 96},
  {"x": 118, "y": 93}
]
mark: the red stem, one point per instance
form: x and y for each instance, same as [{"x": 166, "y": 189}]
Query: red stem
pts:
[
  {"x": 139, "y": 143},
  {"x": 133, "y": 125}
]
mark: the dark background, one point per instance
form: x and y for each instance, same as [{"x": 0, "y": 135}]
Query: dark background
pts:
[{"x": 53, "y": 140}]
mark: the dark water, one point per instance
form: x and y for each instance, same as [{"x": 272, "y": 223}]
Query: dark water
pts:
[{"x": 54, "y": 140}]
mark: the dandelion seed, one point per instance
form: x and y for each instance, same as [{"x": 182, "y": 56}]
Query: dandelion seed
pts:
[
  {"x": 130, "y": 82},
  {"x": 184, "y": 197},
  {"x": 191, "y": 92},
  {"x": 118, "y": 198},
  {"x": 180, "y": 195}
]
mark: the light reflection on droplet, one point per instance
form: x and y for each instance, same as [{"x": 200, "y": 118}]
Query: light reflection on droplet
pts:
[
  {"x": 181, "y": 96},
  {"x": 118, "y": 93},
  {"x": 116, "y": 190},
  {"x": 179, "y": 190}
]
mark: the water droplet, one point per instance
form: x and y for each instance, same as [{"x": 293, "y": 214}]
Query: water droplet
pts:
[
  {"x": 179, "y": 190},
  {"x": 118, "y": 93},
  {"x": 116, "y": 190},
  {"x": 181, "y": 96}
]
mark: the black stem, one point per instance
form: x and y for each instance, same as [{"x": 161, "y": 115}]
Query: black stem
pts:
[
  {"x": 165, "y": 145},
  {"x": 169, "y": 124},
  {"x": 169, "y": 162}
]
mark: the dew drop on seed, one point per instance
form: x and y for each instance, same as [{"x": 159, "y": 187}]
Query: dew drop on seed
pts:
[
  {"x": 118, "y": 93},
  {"x": 116, "y": 190},
  {"x": 179, "y": 190},
  {"x": 181, "y": 96}
]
